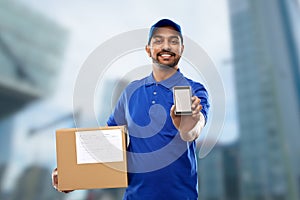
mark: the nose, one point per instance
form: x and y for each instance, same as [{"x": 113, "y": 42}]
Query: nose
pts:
[{"x": 166, "y": 46}]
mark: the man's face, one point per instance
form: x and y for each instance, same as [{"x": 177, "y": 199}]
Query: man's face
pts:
[{"x": 165, "y": 47}]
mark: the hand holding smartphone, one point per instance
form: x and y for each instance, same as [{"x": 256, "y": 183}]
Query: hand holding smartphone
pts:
[{"x": 182, "y": 99}]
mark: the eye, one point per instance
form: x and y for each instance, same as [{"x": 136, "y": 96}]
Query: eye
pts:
[
  {"x": 174, "y": 41},
  {"x": 157, "y": 41}
]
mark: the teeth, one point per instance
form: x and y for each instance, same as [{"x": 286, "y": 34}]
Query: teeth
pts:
[{"x": 165, "y": 55}]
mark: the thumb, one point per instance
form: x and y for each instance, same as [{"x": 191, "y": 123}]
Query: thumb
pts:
[{"x": 172, "y": 111}]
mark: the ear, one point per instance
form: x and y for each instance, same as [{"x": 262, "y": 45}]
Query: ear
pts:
[
  {"x": 147, "y": 48},
  {"x": 182, "y": 48}
]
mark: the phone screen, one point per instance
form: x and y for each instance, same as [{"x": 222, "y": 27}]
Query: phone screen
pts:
[{"x": 182, "y": 99}]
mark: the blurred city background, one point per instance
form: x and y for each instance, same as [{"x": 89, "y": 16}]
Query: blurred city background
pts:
[{"x": 255, "y": 45}]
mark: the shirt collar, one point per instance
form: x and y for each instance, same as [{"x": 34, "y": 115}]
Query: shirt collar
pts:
[{"x": 169, "y": 83}]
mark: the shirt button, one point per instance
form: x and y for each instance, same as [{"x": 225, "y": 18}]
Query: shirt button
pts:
[
  {"x": 154, "y": 93},
  {"x": 153, "y": 102}
]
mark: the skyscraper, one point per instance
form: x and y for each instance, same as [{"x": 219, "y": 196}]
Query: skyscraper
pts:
[
  {"x": 31, "y": 52},
  {"x": 211, "y": 175},
  {"x": 266, "y": 67},
  {"x": 35, "y": 184},
  {"x": 219, "y": 173},
  {"x": 6, "y": 130},
  {"x": 231, "y": 168}
]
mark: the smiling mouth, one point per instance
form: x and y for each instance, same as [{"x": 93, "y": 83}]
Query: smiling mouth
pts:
[{"x": 166, "y": 55}]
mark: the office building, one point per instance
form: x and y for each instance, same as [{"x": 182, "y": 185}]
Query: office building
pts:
[
  {"x": 31, "y": 52},
  {"x": 31, "y": 55},
  {"x": 266, "y": 67},
  {"x": 6, "y": 130},
  {"x": 231, "y": 167},
  {"x": 211, "y": 176},
  {"x": 219, "y": 173},
  {"x": 35, "y": 184}
]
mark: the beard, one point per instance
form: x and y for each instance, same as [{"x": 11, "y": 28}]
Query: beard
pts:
[{"x": 171, "y": 65}]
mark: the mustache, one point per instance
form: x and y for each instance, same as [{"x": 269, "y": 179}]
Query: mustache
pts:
[{"x": 166, "y": 52}]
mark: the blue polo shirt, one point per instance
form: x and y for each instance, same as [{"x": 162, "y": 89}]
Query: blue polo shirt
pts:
[{"x": 160, "y": 164}]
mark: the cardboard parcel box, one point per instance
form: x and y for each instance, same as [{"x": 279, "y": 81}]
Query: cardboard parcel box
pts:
[{"x": 91, "y": 158}]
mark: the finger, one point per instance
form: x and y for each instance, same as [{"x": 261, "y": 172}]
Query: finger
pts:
[
  {"x": 54, "y": 178},
  {"x": 196, "y": 117},
  {"x": 67, "y": 191},
  {"x": 196, "y": 102},
  {"x": 195, "y": 98},
  {"x": 172, "y": 110},
  {"x": 197, "y": 110}
]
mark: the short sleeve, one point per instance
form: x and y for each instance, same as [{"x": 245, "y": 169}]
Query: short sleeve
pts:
[
  {"x": 200, "y": 91},
  {"x": 117, "y": 118}
]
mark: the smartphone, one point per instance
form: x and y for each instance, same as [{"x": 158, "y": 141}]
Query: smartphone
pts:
[{"x": 182, "y": 99}]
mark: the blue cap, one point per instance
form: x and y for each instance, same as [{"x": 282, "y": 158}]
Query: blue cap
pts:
[{"x": 164, "y": 23}]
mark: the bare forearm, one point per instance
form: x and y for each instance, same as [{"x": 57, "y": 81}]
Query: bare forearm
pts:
[{"x": 195, "y": 131}]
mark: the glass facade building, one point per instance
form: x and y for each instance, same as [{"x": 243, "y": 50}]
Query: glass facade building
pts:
[
  {"x": 219, "y": 172},
  {"x": 211, "y": 176},
  {"x": 266, "y": 67},
  {"x": 31, "y": 52}
]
